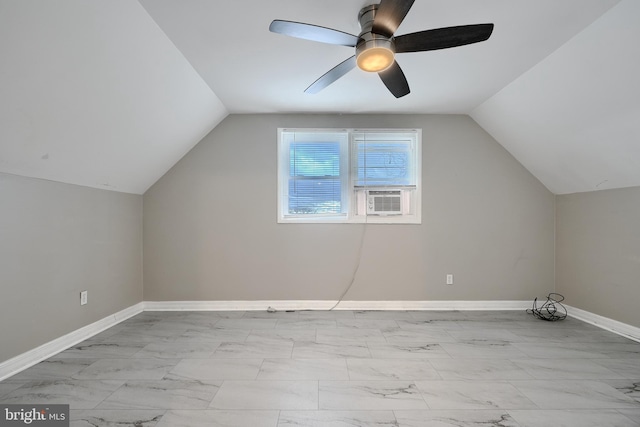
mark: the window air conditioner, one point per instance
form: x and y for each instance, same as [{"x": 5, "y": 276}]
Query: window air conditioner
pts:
[{"x": 384, "y": 202}]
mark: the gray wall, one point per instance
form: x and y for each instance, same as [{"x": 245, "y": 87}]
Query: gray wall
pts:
[
  {"x": 598, "y": 252},
  {"x": 56, "y": 240},
  {"x": 210, "y": 230}
]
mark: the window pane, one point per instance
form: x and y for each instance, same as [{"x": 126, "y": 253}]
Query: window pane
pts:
[
  {"x": 314, "y": 178},
  {"x": 384, "y": 163},
  {"x": 325, "y": 175}
]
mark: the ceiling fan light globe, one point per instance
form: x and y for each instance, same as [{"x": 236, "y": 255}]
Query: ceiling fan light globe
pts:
[{"x": 375, "y": 59}]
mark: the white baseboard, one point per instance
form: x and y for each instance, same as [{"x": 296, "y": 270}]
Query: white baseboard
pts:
[
  {"x": 30, "y": 358},
  {"x": 603, "y": 322},
  {"x": 433, "y": 305},
  {"x": 236, "y": 305},
  {"x": 25, "y": 360},
  {"x": 326, "y": 305},
  {"x": 624, "y": 329}
]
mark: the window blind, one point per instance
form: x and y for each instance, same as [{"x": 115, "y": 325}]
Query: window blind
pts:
[
  {"x": 384, "y": 163},
  {"x": 315, "y": 185}
]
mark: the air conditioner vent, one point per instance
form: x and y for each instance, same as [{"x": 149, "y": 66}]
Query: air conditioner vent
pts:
[{"x": 384, "y": 202}]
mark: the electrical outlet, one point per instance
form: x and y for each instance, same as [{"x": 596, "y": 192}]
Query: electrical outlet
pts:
[
  {"x": 449, "y": 279},
  {"x": 83, "y": 297}
]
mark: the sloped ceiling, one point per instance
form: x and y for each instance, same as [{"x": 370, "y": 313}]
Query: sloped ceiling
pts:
[
  {"x": 573, "y": 120},
  {"x": 110, "y": 94},
  {"x": 94, "y": 93}
]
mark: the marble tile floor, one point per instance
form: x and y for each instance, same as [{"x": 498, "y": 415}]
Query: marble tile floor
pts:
[{"x": 341, "y": 368}]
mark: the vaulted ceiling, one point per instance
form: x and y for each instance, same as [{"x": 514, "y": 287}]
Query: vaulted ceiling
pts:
[{"x": 111, "y": 93}]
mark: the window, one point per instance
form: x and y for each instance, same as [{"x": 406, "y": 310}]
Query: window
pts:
[{"x": 327, "y": 175}]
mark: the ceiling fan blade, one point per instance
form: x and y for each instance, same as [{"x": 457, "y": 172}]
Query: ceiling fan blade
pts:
[
  {"x": 442, "y": 38},
  {"x": 394, "y": 79},
  {"x": 313, "y": 32},
  {"x": 390, "y": 15},
  {"x": 332, "y": 75}
]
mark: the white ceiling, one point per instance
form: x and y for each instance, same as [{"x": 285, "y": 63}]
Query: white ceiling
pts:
[
  {"x": 253, "y": 70},
  {"x": 573, "y": 120},
  {"x": 111, "y": 93},
  {"x": 94, "y": 93}
]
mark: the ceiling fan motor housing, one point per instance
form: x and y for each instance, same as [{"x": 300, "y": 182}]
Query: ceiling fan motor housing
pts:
[{"x": 374, "y": 52}]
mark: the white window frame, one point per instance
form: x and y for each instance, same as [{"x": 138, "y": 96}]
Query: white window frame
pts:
[{"x": 354, "y": 197}]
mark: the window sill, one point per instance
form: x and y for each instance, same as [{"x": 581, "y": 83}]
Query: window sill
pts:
[{"x": 371, "y": 219}]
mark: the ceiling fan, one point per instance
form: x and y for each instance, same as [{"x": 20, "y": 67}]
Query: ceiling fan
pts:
[{"x": 376, "y": 45}]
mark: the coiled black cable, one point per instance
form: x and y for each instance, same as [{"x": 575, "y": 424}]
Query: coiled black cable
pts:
[{"x": 552, "y": 310}]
